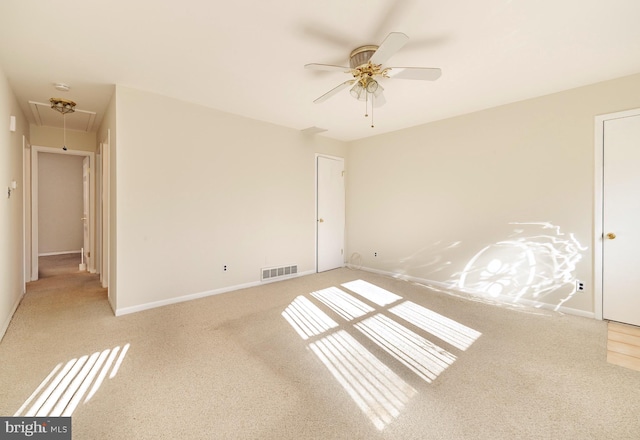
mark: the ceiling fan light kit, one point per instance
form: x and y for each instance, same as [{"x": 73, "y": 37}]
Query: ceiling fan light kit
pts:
[{"x": 366, "y": 67}]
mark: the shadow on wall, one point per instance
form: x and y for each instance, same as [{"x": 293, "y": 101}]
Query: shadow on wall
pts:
[{"x": 534, "y": 265}]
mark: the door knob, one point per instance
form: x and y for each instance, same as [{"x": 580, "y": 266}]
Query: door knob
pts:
[
  {"x": 611, "y": 235},
  {"x": 321, "y": 221},
  {"x": 83, "y": 218}
]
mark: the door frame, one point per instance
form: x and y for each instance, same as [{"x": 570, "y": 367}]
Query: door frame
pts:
[
  {"x": 598, "y": 216},
  {"x": 341, "y": 159},
  {"x": 26, "y": 211},
  {"x": 105, "y": 203},
  {"x": 35, "y": 150}
]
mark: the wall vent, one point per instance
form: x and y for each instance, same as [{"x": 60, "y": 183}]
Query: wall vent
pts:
[{"x": 269, "y": 273}]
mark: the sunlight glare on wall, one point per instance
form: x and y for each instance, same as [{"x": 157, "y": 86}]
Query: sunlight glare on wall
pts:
[{"x": 537, "y": 260}]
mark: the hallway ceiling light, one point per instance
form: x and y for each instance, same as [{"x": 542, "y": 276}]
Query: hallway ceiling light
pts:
[{"x": 63, "y": 106}]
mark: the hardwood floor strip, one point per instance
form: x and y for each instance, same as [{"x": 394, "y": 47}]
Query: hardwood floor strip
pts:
[
  {"x": 619, "y": 347},
  {"x": 624, "y": 328},
  {"x": 624, "y": 338},
  {"x": 622, "y": 360},
  {"x": 623, "y": 345}
]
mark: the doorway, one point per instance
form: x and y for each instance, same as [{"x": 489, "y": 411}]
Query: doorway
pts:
[
  {"x": 616, "y": 215},
  {"x": 330, "y": 212},
  {"x": 58, "y": 236}
]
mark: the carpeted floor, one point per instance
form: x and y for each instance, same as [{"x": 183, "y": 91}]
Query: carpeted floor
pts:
[{"x": 327, "y": 356}]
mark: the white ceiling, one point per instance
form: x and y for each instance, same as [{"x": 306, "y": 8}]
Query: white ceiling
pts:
[{"x": 246, "y": 57}]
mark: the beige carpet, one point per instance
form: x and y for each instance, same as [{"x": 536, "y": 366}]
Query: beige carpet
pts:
[{"x": 276, "y": 362}]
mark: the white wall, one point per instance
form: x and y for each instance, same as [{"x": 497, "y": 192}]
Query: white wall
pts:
[
  {"x": 11, "y": 209},
  {"x": 198, "y": 189},
  {"x": 60, "y": 203},
  {"x": 488, "y": 201},
  {"x": 52, "y": 137}
]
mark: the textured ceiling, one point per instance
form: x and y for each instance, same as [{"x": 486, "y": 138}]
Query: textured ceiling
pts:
[{"x": 247, "y": 57}]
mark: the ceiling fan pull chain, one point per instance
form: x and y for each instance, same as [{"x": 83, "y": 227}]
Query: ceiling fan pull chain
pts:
[
  {"x": 372, "y": 98},
  {"x": 366, "y": 101}
]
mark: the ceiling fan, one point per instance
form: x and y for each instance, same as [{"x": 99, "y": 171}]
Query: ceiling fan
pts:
[{"x": 366, "y": 65}]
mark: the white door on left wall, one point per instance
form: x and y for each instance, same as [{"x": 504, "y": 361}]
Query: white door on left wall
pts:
[
  {"x": 85, "y": 213},
  {"x": 330, "y": 221}
]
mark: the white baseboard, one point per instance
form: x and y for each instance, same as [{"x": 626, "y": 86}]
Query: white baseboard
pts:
[
  {"x": 5, "y": 324},
  {"x": 505, "y": 300},
  {"x": 190, "y": 297},
  {"x": 48, "y": 254}
]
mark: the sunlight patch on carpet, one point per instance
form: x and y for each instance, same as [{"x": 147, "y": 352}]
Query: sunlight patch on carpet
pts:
[
  {"x": 60, "y": 393},
  {"x": 307, "y": 319},
  {"x": 450, "y": 331},
  {"x": 377, "y": 317},
  {"x": 421, "y": 356},
  {"x": 375, "y": 388}
]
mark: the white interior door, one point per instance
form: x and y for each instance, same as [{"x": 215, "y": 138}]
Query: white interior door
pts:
[
  {"x": 330, "y": 219},
  {"x": 86, "y": 247},
  {"x": 621, "y": 220}
]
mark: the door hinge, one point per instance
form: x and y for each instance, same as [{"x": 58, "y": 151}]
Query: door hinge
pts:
[
  {"x": 342, "y": 173},
  {"x": 341, "y": 251},
  {"x": 89, "y": 254}
]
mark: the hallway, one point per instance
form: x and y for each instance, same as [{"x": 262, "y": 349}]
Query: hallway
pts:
[{"x": 60, "y": 272}]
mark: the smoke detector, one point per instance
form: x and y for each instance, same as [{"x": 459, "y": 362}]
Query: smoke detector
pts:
[{"x": 61, "y": 87}]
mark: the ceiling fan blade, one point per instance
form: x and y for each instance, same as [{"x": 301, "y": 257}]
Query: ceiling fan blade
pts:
[
  {"x": 329, "y": 67},
  {"x": 392, "y": 16},
  {"x": 388, "y": 48},
  {"x": 326, "y": 34},
  {"x": 419, "y": 73},
  {"x": 334, "y": 91}
]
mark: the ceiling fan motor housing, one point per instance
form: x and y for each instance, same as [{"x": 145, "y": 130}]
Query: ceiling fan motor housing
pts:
[{"x": 361, "y": 55}]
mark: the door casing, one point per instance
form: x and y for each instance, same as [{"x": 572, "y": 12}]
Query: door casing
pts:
[
  {"x": 598, "y": 217},
  {"x": 33, "y": 227}
]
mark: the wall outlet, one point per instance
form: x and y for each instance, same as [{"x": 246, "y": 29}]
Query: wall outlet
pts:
[
  {"x": 375, "y": 254},
  {"x": 579, "y": 286},
  {"x": 224, "y": 268}
]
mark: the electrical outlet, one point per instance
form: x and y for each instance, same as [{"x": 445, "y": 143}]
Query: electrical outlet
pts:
[
  {"x": 579, "y": 286},
  {"x": 224, "y": 268},
  {"x": 375, "y": 254}
]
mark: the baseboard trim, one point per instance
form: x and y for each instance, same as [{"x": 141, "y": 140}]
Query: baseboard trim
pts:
[
  {"x": 190, "y": 297},
  {"x": 5, "y": 324},
  {"x": 523, "y": 302}
]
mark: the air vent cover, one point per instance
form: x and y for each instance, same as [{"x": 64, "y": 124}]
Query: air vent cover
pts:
[{"x": 269, "y": 273}]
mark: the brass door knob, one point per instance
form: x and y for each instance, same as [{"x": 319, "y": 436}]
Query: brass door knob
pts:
[
  {"x": 611, "y": 235},
  {"x": 321, "y": 221}
]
